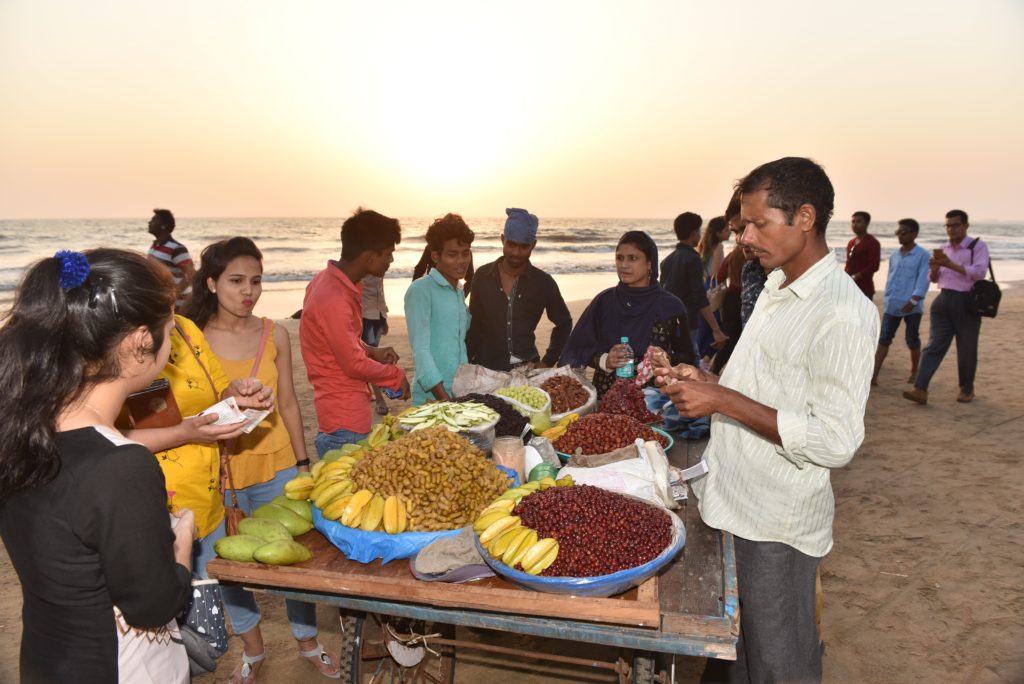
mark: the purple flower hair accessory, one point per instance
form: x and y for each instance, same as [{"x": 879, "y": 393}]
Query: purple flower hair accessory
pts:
[{"x": 74, "y": 268}]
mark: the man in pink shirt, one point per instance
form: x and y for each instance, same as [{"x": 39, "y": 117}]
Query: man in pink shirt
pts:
[
  {"x": 339, "y": 365},
  {"x": 954, "y": 268}
]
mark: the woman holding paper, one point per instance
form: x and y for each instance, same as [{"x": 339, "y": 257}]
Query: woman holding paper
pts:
[{"x": 225, "y": 291}]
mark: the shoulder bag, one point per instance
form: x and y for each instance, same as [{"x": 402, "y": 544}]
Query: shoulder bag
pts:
[
  {"x": 234, "y": 514},
  {"x": 985, "y": 294}
]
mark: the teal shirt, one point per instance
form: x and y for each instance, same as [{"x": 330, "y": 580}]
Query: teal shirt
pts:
[{"x": 437, "y": 318}]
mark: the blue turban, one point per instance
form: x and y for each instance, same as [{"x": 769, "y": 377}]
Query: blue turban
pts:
[{"x": 521, "y": 226}]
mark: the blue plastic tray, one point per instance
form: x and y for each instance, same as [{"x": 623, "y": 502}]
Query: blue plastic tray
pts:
[{"x": 601, "y": 585}]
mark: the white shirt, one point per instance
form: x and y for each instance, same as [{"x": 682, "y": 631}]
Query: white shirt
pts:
[{"x": 808, "y": 352}]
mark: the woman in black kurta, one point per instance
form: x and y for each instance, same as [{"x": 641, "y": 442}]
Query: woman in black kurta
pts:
[
  {"x": 83, "y": 511},
  {"x": 637, "y": 308}
]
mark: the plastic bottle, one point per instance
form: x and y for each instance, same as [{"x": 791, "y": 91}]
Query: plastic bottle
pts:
[{"x": 627, "y": 370}]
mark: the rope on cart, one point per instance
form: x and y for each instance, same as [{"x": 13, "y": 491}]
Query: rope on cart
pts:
[{"x": 414, "y": 639}]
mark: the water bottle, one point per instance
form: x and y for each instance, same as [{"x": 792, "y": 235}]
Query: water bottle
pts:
[{"x": 627, "y": 370}]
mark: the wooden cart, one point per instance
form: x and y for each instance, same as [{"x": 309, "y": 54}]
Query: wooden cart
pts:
[{"x": 690, "y": 608}]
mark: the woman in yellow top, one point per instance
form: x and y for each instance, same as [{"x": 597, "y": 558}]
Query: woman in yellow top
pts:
[
  {"x": 225, "y": 290},
  {"x": 189, "y": 453}
]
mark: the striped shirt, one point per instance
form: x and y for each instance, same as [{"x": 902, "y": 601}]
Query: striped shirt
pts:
[
  {"x": 807, "y": 351},
  {"x": 175, "y": 257}
]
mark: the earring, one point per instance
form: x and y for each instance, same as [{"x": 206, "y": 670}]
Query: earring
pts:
[{"x": 213, "y": 291}]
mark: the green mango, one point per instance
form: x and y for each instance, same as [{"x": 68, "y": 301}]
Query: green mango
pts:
[
  {"x": 239, "y": 547},
  {"x": 266, "y": 529},
  {"x": 542, "y": 470},
  {"x": 282, "y": 552},
  {"x": 301, "y": 508},
  {"x": 296, "y": 524}
]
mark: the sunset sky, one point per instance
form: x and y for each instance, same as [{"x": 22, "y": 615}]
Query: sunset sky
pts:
[{"x": 585, "y": 109}]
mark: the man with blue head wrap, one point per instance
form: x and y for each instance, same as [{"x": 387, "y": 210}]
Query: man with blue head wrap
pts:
[{"x": 509, "y": 296}]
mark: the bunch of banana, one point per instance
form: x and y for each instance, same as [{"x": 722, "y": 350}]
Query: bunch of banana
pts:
[
  {"x": 510, "y": 542},
  {"x": 559, "y": 428}
]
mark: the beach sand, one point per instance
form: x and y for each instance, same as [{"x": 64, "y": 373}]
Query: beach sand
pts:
[{"x": 923, "y": 584}]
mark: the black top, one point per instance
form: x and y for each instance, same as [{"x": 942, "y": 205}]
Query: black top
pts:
[
  {"x": 501, "y": 328},
  {"x": 682, "y": 274},
  {"x": 96, "y": 536}
]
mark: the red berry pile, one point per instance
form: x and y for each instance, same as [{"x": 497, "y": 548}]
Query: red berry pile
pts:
[
  {"x": 599, "y": 433},
  {"x": 626, "y": 399},
  {"x": 598, "y": 532}
]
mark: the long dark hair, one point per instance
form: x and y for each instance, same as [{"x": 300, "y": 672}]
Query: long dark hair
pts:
[
  {"x": 59, "y": 339},
  {"x": 212, "y": 262}
]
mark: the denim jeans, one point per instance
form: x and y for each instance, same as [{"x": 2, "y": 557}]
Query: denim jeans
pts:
[
  {"x": 240, "y": 603},
  {"x": 325, "y": 441},
  {"x": 203, "y": 553}
]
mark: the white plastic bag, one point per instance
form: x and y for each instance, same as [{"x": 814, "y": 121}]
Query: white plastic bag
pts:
[{"x": 645, "y": 477}]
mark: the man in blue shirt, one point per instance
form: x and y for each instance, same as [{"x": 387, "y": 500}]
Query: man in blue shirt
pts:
[{"x": 905, "y": 289}]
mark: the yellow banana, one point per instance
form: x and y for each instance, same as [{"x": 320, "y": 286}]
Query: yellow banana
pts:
[
  {"x": 486, "y": 520},
  {"x": 544, "y": 562},
  {"x": 336, "y": 466},
  {"x": 373, "y": 514},
  {"x": 301, "y": 481},
  {"x": 497, "y": 527},
  {"x": 334, "y": 509},
  {"x": 522, "y": 534},
  {"x": 317, "y": 467},
  {"x": 391, "y": 505},
  {"x": 354, "y": 509},
  {"x": 565, "y": 481},
  {"x": 531, "y": 486},
  {"x": 516, "y": 493},
  {"x": 537, "y": 553},
  {"x": 322, "y": 484},
  {"x": 499, "y": 545},
  {"x": 524, "y": 545},
  {"x": 498, "y": 505},
  {"x": 547, "y": 482},
  {"x": 333, "y": 492}
]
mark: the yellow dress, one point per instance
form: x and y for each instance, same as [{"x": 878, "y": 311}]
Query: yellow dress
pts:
[
  {"x": 192, "y": 471},
  {"x": 257, "y": 456}
]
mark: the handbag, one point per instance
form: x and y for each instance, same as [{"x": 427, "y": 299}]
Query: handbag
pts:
[
  {"x": 153, "y": 407},
  {"x": 233, "y": 513},
  {"x": 204, "y": 631},
  {"x": 985, "y": 294}
]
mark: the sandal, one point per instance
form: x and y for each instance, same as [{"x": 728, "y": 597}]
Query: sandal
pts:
[
  {"x": 245, "y": 672},
  {"x": 322, "y": 661}
]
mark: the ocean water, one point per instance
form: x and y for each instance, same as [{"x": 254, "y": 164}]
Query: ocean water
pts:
[{"x": 295, "y": 249}]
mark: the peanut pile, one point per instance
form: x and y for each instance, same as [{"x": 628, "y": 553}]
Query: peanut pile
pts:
[{"x": 441, "y": 478}]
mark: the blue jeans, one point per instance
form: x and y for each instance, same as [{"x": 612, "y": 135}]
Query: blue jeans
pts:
[
  {"x": 325, "y": 441},
  {"x": 891, "y": 323},
  {"x": 372, "y": 331},
  {"x": 240, "y": 603},
  {"x": 203, "y": 553}
]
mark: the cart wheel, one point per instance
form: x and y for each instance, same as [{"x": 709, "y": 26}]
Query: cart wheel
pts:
[
  {"x": 379, "y": 648},
  {"x": 651, "y": 668}
]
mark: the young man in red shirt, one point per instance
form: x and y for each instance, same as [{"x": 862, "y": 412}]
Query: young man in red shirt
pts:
[
  {"x": 863, "y": 254},
  {"x": 339, "y": 365}
]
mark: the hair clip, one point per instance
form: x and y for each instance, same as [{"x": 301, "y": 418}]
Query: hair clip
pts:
[
  {"x": 100, "y": 287},
  {"x": 74, "y": 268}
]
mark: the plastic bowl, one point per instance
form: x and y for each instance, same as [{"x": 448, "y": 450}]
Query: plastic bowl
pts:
[
  {"x": 600, "y": 585},
  {"x": 564, "y": 457}
]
